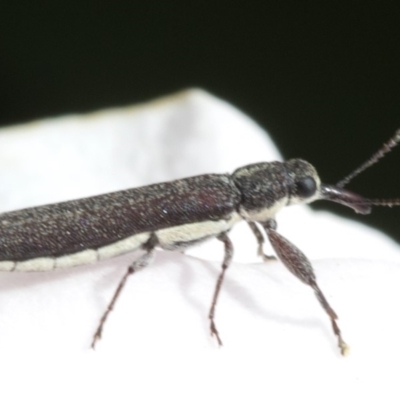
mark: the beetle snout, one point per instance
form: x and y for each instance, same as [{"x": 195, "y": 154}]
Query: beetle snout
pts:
[{"x": 350, "y": 199}]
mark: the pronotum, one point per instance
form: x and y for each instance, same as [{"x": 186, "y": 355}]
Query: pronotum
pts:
[{"x": 176, "y": 215}]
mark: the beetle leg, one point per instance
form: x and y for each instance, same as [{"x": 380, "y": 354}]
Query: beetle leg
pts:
[
  {"x": 260, "y": 240},
  {"x": 300, "y": 266},
  {"x": 141, "y": 262},
  {"x": 225, "y": 264}
]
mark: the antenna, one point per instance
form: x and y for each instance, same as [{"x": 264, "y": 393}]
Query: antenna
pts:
[{"x": 386, "y": 148}]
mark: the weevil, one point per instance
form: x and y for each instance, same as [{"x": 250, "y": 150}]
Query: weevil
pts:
[{"x": 176, "y": 215}]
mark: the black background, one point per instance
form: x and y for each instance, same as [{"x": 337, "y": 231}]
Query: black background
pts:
[{"x": 324, "y": 80}]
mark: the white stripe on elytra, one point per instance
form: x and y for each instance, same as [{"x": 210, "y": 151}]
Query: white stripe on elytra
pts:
[
  {"x": 166, "y": 237},
  {"x": 36, "y": 264},
  {"x": 123, "y": 246},
  {"x": 195, "y": 231},
  {"x": 7, "y": 265}
]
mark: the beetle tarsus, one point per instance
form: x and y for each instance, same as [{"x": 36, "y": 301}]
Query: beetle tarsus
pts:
[{"x": 214, "y": 331}]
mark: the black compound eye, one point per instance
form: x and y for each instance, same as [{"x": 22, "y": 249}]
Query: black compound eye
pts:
[{"x": 306, "y": 187}]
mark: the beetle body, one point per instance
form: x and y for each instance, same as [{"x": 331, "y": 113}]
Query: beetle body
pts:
[
  {"x": 86, "y": 230},
  {"x": 175, "y": 215},
  {"x": 179, "y": 213}
]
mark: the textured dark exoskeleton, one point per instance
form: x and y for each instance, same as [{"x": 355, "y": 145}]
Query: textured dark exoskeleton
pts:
[{"x": 175, "y": 215}]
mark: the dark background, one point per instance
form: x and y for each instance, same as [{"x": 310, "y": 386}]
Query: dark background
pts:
[{"x": 323, "y": 80}]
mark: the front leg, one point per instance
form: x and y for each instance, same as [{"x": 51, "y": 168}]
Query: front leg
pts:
[{"x": 298, "y": 264}]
